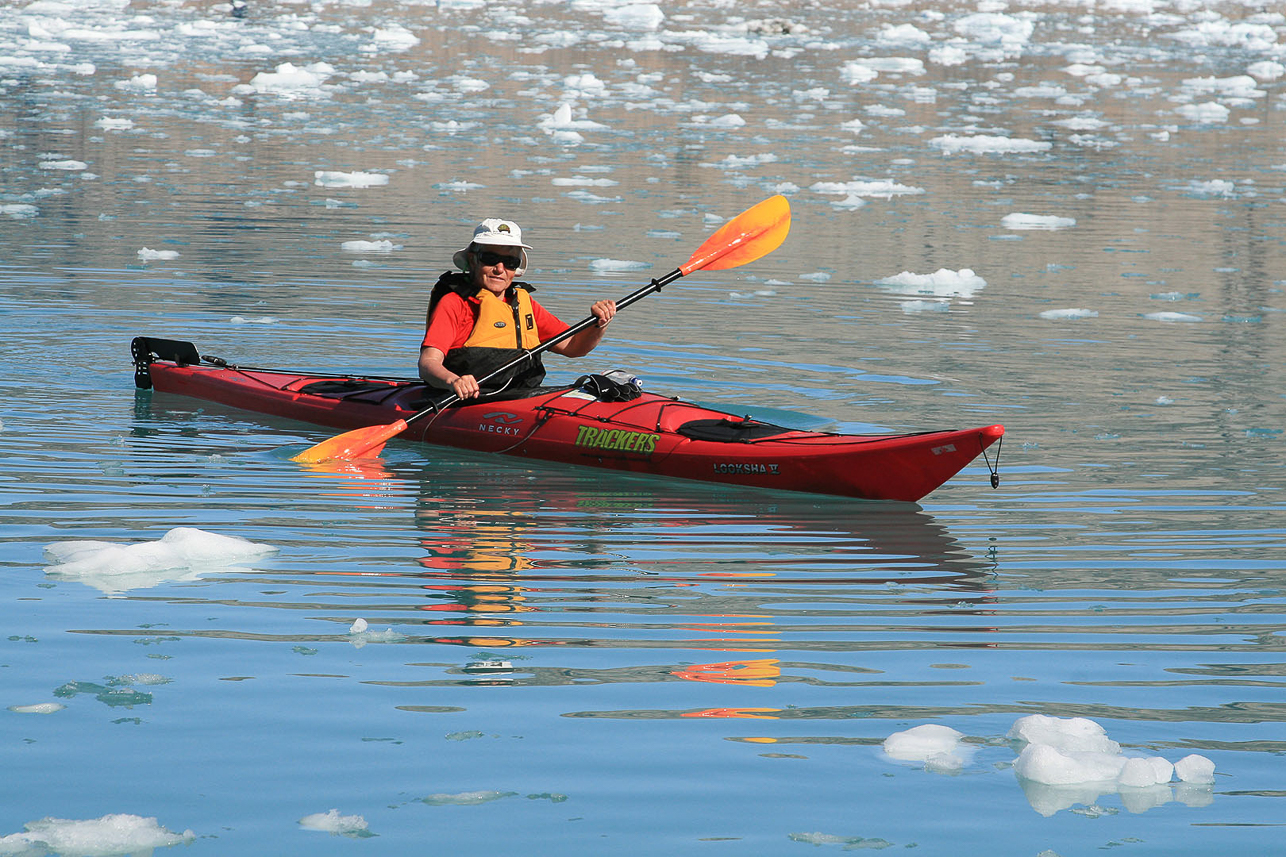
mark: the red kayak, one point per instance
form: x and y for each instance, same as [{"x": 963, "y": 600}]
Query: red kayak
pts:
[{"x": 650, "y": 433}]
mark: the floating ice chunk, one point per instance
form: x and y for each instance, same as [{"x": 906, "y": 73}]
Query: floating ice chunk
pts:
[
  {"x": 1043, "y": 763},
  {"x": 942, "y": 283},
  {"x": 994, "y": 28},
  {"x": 147, "y": 254},
  {"x": 67, "y": 164},
  {"x": 816, "y": 277},
  {"x": 925, "y": 306},
  {"x": 1195, "y": 769},
  {"x": 1036, "y": 221},
  {"x": 728, "y": 120},
  {"x": 259, "y": 319},
  {"x": 138, "y": 83},
  {"x": 1254, "y": 37},
  {"x": 1081, "y": 123},
  {"x": 291, "y": 81},
  {"x": 1071, "y": 733},
  {"x": 1070, "y": 313},
  {"x": 109, "y": 836},
  {"x": 879, "y": 188},
  {"x": 1141, "y": 773},
  {"x": 1207, "y": 113},
  {"x": 902, "y": 35},
  {"x": 360, "y": 246},
  {"x": 334, "y": 823},
  {"x": 601, "y": 265},
  {"x": 920, "y": 742},
  {"x": 395, "y": 37},
  {"x": 359, "y": 633},
  {"x": 1214, "y": 187},
  {"x": 854, "y": 126},
  {"x": 987, "y": 144},
  {"x": 181, "y": 554},
  {"x": 583, "y": 181},
  {"x": 18, "y": 210},
  {"x": 1266, "y": 70},
  {"x": 333, "y": 178},
  {"x": 114, "y": 123},
  {"x": 1171, "y": 316},
  {"x": 636, "y": 16},
  {"x": 740, "y": 162},
  {"x": 857, "y": 72},
  {"x": 465, "y": 798},
  {"x": 1241, "y": 86},
  {"x": 37, "y": 708}
]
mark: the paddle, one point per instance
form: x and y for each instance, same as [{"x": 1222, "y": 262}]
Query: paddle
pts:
[{"x": 754, "y": 233}]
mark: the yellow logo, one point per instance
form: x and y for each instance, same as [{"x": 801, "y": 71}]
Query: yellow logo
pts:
[{"x": 617, "y": 440}]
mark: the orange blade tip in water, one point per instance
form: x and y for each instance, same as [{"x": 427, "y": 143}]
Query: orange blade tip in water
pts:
[{"x": 352, "y": 444}]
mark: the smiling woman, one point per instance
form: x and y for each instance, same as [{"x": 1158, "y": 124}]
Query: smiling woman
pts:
[{"x": 480, "y": 320}]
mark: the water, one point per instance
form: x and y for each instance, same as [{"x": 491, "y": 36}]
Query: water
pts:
[{"x": 572, "y": 661}]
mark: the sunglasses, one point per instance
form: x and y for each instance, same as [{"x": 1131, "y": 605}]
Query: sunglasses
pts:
[{"x": 488, "y": 257}]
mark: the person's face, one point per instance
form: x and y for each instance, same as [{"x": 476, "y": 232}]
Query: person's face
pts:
[{"x": 493, "y": 267}]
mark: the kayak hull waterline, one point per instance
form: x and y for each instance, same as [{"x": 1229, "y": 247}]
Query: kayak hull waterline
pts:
[{"x": 650, "y": 434}]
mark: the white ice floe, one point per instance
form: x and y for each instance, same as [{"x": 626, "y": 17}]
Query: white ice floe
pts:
[
  {"x": 1063, "y": 733},
  {"x": 361, "y": 246},
  {"x": 878, "y": 188},
  {"x": 925, "y": 306},
  {"x": 1171, "y": 316},
  {"x": 635, "y": 16},
  {"x": 360, "y": 633},
  {"x": 290, "y": 81},
  {"x": 181, "y": 554},
  {"x": 147, "y": 254},
  {"x": 37, "y": 708},
  {"x": 938, "y": 747},
  {"x": 951, "y": 144},
  {"x": 1206, "y": 113},
  {"x": 465, "y": 798},
  {"x": 1063, "y": 762},
  {"x": 68, "y": 164},
  {"x": 138, "y": 83},
  {"x": 857, "y": 72},
  {"x": 942, "y": 283},
  {"x": 258, "y": 319},
  {"x": 110, "y": 836},
  {"x": 605, "y": 265},
  {"x": 18, "y": 210},
  {"x": 1036, "y": 221},
  {"x": 1195, "y": 769},
  {"x": 114, "y": 123},
  {"x": 1070, "y": 313},
  {"x": 394, "y": 37},
  {"x": 335, "y": 178},
  {"x": 334, "y": 823},
  {"x": 995, "y": 28}
]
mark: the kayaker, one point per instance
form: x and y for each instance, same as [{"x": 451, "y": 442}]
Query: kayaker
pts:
[{"x": 480, "y": 318}]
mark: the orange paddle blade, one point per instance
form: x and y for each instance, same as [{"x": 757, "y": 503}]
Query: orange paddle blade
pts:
[
  {"x": 351, "y": 444},
  {"x": 755, "y": 232}
]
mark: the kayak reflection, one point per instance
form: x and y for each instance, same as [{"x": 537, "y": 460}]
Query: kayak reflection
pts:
[{"x": 560, "y": 543}]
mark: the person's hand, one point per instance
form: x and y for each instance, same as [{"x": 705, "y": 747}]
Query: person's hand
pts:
[
  {"x": 603, "y": 311},
  {"x": 466, "y": 387}
]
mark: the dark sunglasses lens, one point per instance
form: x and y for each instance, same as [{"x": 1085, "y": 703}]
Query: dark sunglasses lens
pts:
[{"x": 486, "y": 257}]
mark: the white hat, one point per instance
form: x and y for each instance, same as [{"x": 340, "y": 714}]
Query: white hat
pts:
[{"x": 494, "y": 232}]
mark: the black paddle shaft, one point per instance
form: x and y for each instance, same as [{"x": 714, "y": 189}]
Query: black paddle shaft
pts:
[{"x": 584, "y": 324}]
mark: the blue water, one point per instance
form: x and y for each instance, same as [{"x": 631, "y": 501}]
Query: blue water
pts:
[{"x": 561, "y": 660}]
